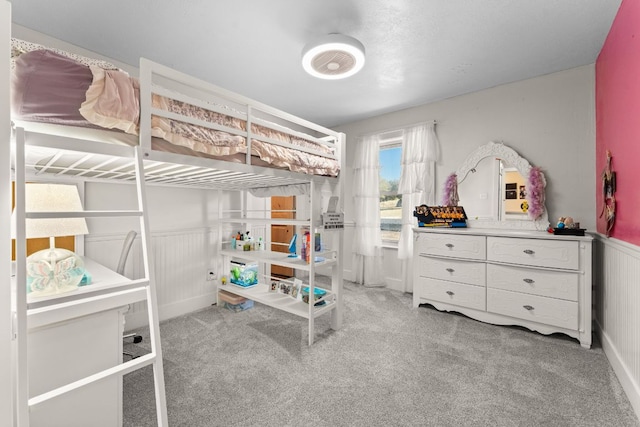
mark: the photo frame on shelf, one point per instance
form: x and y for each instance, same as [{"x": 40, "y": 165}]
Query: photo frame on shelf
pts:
[
  {"x": 296, "y": 288},
  {"x": 274, "y": 286},
  {"x": 285, "y": 288}
]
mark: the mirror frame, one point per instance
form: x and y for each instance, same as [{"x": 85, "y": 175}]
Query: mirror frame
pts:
[{"x": 523, "y": 166}]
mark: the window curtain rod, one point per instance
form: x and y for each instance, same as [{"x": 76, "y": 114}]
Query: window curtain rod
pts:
[{"x": 397, "y": 128}]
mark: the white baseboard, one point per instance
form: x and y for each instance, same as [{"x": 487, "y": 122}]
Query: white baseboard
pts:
[
  {"x": 349, "y": 275},
  {"x": 394, "y": 284},
  {"x": 629, "y": 385},
  {"x": 140, "y": 319}
]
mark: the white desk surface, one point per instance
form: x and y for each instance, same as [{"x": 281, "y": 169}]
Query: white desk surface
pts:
[
  {"x": 104, "y": 281},
  {"x": 102, "y": 278}
]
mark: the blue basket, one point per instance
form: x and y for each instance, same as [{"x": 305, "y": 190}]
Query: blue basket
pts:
[{"x": 317, "y": 293}]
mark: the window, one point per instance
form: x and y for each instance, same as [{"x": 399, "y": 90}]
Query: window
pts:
[{"x": 389, "y": 178}]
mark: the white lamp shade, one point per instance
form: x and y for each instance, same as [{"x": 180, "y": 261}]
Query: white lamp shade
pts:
[{"x": 41, "y": 197}]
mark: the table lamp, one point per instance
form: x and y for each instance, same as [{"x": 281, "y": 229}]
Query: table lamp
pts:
[{"x": 53, "y": 270}]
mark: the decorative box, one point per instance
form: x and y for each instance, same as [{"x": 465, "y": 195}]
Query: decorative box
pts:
[{"x": 440, "y": 216}]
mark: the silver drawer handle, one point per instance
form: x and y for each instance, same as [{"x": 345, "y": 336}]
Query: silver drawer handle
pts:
[
  {"x": 529, "y": 281},
  {"x": 528, "y": 252},
  {"x": 528, "y": 307},
  {"x": 449, "y": 245},
  {"x": 450, "y": 270},
  {"x": 450, "y": 293}
]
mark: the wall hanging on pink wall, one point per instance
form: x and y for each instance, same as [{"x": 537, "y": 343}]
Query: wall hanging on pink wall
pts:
[{"x": 608, "y": 192}]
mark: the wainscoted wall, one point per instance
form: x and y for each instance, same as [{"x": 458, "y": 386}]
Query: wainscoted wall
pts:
[
  {"x": 617, "y": 298},
  {"x": 180, "y": 259}
]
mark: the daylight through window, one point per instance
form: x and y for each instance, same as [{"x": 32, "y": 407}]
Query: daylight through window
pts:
[{"x": 389, "y": 178}]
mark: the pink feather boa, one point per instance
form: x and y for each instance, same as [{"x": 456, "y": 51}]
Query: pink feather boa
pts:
[
  {"x": 450, "y": 196},
  {"x": 536, "y": 192}
]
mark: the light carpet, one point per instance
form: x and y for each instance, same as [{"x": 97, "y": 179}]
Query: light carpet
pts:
[{"x": 390, "y": 365}]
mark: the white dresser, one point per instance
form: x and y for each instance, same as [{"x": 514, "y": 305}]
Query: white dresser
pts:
[{"x": 528, "y": 278}]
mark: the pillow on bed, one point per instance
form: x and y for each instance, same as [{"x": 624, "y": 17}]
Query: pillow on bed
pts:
[
  {"x": 49, "y": 87},
  {"x": 19, "y": 47}
]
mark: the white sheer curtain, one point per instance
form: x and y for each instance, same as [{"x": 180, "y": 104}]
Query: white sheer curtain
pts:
[
  {"x": 420, "y": 152},
  {"x": 367, "y": 243}
]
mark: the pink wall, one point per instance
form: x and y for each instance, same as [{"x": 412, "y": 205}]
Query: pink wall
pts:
[{"x": 618, "y": 119}]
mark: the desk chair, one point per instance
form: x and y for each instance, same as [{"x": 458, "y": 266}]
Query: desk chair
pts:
[{"x": 124, "y": 255}]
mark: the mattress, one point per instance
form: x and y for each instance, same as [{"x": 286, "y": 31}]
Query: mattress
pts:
[{"x": 102, "y": 103}]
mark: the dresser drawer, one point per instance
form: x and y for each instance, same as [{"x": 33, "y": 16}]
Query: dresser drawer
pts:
[
  {"x": 469, "y": 272},
  {"x": 549, "y": 311},
  {"x": 535, "y": 252},
  {"x": 451, "y": 245},
  {"x": 452, "y": 293},
  {"x": 554, "y": 284}
]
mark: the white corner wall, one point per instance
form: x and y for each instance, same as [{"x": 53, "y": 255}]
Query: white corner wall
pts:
[
  {"x": 6, "y": 411},
  {"x": 550, "y": 120}
]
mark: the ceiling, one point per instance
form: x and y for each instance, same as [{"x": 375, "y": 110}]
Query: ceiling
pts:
[{"x": 417, "y": 51}]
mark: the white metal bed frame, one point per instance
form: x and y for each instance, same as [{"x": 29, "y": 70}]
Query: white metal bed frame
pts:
[{"x": 106, "y": 162}]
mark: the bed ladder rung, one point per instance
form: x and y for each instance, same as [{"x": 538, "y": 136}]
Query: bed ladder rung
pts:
[{"x": 121, "y": 369}]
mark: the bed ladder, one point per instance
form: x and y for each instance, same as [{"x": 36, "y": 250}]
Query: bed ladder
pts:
[{"x": 121, "y": 295}]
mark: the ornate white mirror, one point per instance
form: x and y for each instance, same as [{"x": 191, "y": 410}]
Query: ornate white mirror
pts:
[{"x": 500, "y": 189}]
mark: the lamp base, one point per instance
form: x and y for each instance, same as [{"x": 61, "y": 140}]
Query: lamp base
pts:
[{"x": 53, "y": 271}]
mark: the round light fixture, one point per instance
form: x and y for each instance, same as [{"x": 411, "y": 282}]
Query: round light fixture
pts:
[{"x": 332, "y": 57}]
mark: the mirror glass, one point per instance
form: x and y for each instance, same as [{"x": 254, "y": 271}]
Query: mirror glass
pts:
[
  {"x": 513, "y": 203},
  {"x": 492, "y": 187}
]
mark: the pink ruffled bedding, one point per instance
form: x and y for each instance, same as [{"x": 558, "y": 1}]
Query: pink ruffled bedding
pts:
[{"x": 109, "y": 98}]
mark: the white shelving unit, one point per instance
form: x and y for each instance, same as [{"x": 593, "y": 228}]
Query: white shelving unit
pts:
[{"x": 260, "y": 293}]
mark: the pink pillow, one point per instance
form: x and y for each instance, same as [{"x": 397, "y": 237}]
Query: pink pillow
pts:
[{"x": 48, "y": 87}]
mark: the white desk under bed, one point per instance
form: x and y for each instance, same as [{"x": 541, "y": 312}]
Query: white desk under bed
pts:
[{"x": 68, "y": 342}]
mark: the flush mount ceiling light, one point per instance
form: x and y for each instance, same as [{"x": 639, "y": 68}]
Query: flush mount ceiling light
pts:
[{"x": 332, "y": 57}]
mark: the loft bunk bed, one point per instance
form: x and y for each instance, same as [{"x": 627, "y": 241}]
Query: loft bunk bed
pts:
[
  {"x": 168, "y": 129},
  {"x": 64, "y": 95}
]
